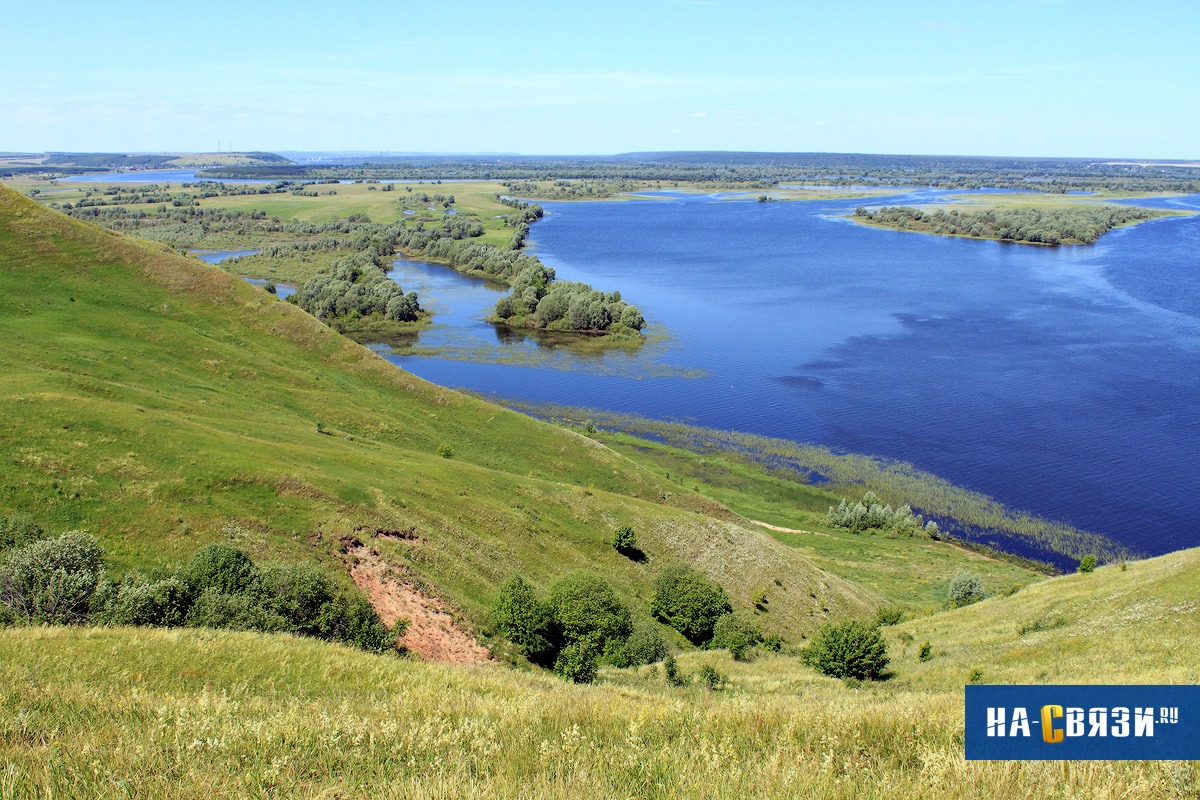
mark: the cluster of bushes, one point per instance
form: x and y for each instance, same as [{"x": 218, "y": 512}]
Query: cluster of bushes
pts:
[
  {"x": 465, "y": 255},
  {"x": 62, "y": 581},
  {"x": 1035, "y": 225},
  {"x": 580, "y": 623},
  {"x": 357, "y": 287},
  {"x": 869, "y": 514},
  {"x": 539, "y": 301}
]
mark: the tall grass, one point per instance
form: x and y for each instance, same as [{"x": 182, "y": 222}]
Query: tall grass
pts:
[{"x": 171, "y": 714}]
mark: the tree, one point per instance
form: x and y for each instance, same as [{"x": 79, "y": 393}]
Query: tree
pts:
[
  {"x": 965, "y": 589},
  {"x": 586, "y": 609},
  {"x": 1087, "y": 564},
  {"x": 737, "y": 634},
  {"x": 689, "y": 602},
  {"x": 624, "y": 540},
  {"x": 521, "y": 617},
  {"x": 850, "y": 649}
]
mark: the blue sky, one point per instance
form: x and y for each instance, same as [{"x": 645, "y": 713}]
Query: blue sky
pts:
[{"x": 1029, "y": 77}]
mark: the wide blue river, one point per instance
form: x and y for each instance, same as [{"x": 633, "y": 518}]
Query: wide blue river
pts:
[{"x": 1062, "y": 381}]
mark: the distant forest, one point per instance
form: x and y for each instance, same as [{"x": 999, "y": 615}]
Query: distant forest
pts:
[{"x": 760, "y": 170}]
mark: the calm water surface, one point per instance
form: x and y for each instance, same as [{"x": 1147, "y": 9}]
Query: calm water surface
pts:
[{"x": 1064, "y": 381}]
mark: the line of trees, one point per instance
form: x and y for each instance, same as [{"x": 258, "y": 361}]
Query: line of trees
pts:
[{"x": 869, "y": 514}]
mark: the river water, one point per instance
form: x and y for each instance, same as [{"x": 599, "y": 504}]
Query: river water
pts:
[{"x": 1062, "y": 381}]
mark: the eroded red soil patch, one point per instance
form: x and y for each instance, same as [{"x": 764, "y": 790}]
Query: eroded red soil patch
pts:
[{"x": 432, "y": 633}]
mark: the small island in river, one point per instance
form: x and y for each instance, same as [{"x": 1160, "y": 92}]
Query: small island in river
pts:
[{"x": 1024, "y": 224}]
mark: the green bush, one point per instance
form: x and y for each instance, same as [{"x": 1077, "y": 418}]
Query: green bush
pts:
[
  {"x": 710, "y": 679},
  {"x": 577, "y": 662},
  {"x": 18, "y": 530},
  {"x": 644, "y": 646},
  {"x": 586, "y": 609},
  {"x": 965, "y": 589},
  {"x": 772, "y": 642},
  {"x": 1088, "y": 564},
  {"x": 850, "y": 649},
  {"x": 297, "y": 593},
  {"x": 51, "y": 580},
  {"x": 737, "y": 634},
  {"x": 213, "y": 608},
  {"x": 689, "y": 602},
  {"x": 522, "y": 618},
  {"x": 888, "y": 615},
  {"x": 673, "y": 675},
  {"x": 138, "y": 601},
  {"x": 222, "y": 567},
  {"x": 624, "y": 540},
  {"x": 925, "y": 651},
  {"x": 354, "y": 622}
]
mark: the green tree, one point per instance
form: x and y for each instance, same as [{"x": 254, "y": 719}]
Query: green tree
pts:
[
  {"x": 586, "y": 609},
  {"x": 737, "y": 634},
  {"x": 521, "y": 617},
  {"x": 850, "y": 649},
  {"x": 965, "y": 589},
  {"x": 1087, "y": 564},
  {"x": 689, "y": 602}
]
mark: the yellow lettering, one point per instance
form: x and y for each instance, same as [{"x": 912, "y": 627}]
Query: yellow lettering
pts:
[{"x": 1051, "y": 734}]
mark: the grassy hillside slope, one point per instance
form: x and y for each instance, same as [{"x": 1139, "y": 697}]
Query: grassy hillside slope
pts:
[
  {"x": 1138, "y": 625},
  {"x": 191, "y": 714},
  {"x": 161, "y": 404}
]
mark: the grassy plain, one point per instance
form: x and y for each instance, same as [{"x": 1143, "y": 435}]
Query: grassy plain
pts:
[{"x": 195, "y": 714}]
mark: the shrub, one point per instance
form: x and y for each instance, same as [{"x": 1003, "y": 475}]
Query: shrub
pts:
[
  {"x": 624, "y": 540},
  {"x": 577, "y": 662},
  {"x": 925, "y": 651},
  {"x": 138, "y": 601},
  {"x": 445, "y": 451},
  {"x": 888, "y": 615},
  {"x": 710, "y": 679},
  {"x": 772, "y": 642},
  {"x": 354, "y": 622},
  {"x": 222, "y": 567},
  {"x": 644, "y": 646},
  {"x": 51, "y": 580},
  {"x": 586, "y": 609},
  {"x": 522, "y": 618},
  {"x": 296, "y": 592},
  {"x": 760, "y": 599},
  {"x": 689, "y": 602},
  {"x": 965, "y": 589},
  {"x": 18, "y": 530},
  {"x": 850, "y": 649},
  {"x": 240, "y": 612},
  {"x": 737, "y": 634},
  {"x": 671, "y": 671},
  {"x": 1088, "y": 564}
]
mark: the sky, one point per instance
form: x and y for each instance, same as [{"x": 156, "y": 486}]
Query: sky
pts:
[{"x": 1016, "y": 78}]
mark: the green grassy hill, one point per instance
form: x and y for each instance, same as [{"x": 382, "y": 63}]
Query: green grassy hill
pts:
[
  {"x": 161, "y": 404},
  {"x": 197, "y": 714}
]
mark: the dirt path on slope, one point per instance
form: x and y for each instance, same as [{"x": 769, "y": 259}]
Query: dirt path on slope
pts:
[{"x": 432, "y": 633}]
